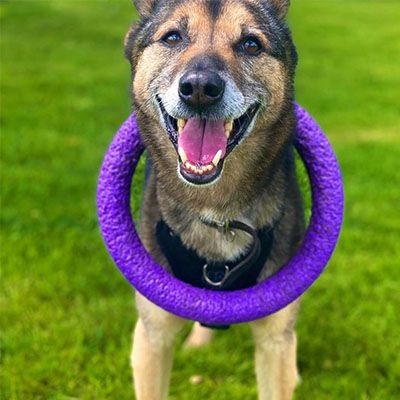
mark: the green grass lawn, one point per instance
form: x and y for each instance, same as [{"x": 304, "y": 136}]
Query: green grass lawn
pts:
[{"x": 67, "y": 313}]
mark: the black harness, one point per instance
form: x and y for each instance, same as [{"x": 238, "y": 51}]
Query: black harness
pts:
[{"x": 189, "y": 267}]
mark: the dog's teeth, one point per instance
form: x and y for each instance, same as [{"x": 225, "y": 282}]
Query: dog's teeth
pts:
[
  {"x": 190, "y": 166},
  {"x": 228, "y": 127},
  {"x": 201, "y": 169},
  {"x": 181, "y": 124},
  {"x": 182, "y": 155},
  {"x": 217, "y": 157}
]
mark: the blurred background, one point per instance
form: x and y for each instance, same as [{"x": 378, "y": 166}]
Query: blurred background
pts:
[{"x": 66, "y": 312}]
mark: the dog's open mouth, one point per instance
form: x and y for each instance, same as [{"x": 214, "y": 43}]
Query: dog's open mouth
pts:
[{"x": 203, "y": 145}]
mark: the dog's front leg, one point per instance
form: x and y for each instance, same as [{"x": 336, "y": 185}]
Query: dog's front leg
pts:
[
  {"x": 275, "y": 355},
  {"x": 152, "y": 351}
]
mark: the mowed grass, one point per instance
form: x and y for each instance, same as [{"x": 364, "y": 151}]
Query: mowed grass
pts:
[{"x": 67, "y": 314}]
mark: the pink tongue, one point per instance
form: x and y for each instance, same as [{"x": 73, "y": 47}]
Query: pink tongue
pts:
[{"x": 202, "y": 139}]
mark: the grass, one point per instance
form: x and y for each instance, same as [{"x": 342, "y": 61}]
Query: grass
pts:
[{"x": 67, "y": 314}]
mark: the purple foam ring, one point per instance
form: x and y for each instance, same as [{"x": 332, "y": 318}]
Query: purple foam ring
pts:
[{"x": 204, "y": 305}]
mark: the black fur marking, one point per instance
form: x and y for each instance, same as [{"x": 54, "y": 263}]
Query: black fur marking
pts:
[
  {"x": 214, "y": 8},
  {"x": 206, "y": 63}
]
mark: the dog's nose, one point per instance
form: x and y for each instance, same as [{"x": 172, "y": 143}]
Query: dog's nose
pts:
[{"x": 199, "y": 88}]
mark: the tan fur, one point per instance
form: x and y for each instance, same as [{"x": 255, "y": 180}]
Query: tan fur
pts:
[
  {"x": 275, "y": 354},
  {"x": 199, "y": 336},
  {"x": 152, "y": 350},
  {"x": 254, "y": 187}
]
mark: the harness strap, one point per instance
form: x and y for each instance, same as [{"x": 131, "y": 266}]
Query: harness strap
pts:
[
  {"x": 189, "y": 267},
  {"x": 242, "y": 266}
]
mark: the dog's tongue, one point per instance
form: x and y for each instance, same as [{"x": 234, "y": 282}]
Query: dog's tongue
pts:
[{"x": 201, "y": 140}]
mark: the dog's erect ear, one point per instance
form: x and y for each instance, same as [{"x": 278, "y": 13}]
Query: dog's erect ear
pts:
[
  {"x": 129, "y": 39},
  {"x": 281, "y": 7},
  {"x": 144, "y": 7}
]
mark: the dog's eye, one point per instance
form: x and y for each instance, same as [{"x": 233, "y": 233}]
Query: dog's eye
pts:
[
  {"x": 251, "y": 46},
  {"x": 172, "y": 38}
]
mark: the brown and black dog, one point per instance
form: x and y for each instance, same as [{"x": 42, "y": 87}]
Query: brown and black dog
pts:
[{"x": 213, "y": 95}]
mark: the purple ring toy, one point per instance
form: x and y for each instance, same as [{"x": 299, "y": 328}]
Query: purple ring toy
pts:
[{"x": 204, "y": 305}]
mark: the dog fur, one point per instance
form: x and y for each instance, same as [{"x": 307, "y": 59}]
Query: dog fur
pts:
[{"x": 247, "y": 47}]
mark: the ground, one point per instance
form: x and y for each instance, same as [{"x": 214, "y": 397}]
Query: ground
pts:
[{"x": 66, "y": 312}]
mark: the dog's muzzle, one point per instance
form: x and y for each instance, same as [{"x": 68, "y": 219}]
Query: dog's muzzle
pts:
[{"x": 202, "y": 145}]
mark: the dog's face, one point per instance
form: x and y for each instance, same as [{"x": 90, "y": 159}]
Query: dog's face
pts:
[{"x": 208, "y": 76}]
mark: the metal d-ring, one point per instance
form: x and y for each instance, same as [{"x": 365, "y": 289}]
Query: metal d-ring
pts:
[{"x": 211, "y": 282}]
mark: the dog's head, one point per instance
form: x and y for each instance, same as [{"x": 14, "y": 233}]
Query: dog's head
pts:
[{"x": 209, "y": 76}]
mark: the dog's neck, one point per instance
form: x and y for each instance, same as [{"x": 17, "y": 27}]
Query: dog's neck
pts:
[{"x": 187, "y": 213}]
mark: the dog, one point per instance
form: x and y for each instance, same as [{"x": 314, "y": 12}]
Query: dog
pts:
[{"x": 212, "y": 84}]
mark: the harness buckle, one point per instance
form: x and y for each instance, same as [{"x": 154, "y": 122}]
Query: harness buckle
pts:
[{"x": 224, "y": 228}]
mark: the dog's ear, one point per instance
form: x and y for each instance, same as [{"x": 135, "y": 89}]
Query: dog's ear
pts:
[
  {"x": 281, "y": 7},
  {"x": 144, "y": 7},
  {"x": 129, "y": 40}
]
